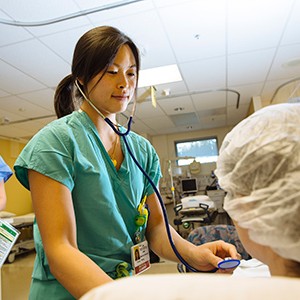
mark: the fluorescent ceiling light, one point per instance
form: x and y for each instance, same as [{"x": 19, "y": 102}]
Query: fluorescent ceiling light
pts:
[{"x": 159, "y": 75}]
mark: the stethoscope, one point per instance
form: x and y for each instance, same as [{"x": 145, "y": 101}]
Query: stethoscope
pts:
[{"x": 227, "y": 263}]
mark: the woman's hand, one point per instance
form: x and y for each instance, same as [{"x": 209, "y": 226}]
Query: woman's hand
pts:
[{"x": 206, "y": 257}]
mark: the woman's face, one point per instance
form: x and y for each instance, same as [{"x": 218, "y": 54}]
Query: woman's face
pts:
[{"x": 117, "y": 86}]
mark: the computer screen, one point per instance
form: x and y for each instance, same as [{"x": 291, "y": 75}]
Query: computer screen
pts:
[{"x": 189, "y": 186}]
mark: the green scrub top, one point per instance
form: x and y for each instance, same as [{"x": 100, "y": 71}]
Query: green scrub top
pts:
[{"x": 69, "y": 150}]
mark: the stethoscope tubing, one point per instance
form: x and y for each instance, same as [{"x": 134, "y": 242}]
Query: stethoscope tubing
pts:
[
  {"x": 166, "y": 221},
  {"x": 115, "y": 128}
]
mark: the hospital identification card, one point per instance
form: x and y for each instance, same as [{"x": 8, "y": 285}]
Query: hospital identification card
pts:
[
  {"x": 140, "y": 257},
  {"x": 8, "y": 237}
]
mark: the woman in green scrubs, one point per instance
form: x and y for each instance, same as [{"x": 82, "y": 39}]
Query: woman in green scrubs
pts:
[{"x": 86, "y": 189}]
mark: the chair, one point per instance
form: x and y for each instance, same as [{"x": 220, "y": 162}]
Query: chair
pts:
[{"x": 210, "y": 233}]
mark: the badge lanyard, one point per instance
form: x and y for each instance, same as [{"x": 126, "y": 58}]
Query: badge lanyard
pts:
[
  {"x": 141, "y": 221},
  {"x": 140, "y": 251}
]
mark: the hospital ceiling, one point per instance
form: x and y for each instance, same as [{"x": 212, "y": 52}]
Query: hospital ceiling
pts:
[{"x": 222, "y": 48}]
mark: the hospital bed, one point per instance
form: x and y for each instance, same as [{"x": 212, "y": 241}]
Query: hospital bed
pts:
[
  {"x": 24, "y": 224},
  {"x": 194, "y": 209}
]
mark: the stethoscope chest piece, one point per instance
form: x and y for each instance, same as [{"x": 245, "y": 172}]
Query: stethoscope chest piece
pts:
[{"x": 228, "y": 263}]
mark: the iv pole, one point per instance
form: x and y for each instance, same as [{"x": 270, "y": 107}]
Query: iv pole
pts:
[{"x": 171, "y": 174}]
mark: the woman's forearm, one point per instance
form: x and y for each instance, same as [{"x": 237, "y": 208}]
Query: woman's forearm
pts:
[{"x": 75, "y": 271}]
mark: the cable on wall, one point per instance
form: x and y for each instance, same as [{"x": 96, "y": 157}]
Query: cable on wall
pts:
[{"x": 67, "y": 17}]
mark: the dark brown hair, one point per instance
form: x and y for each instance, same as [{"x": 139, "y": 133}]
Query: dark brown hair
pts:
[{"x": 93, "y": 53}]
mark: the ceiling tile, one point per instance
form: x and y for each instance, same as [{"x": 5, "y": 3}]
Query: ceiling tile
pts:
[
  {"x": 267, "y": 20},
  {"x": 246, "y": 93},
  {"x": 6, "y": 116},
  {"x": 158, "y": 123},
  {"x": 204, "y": 74},
  {"x": 146, "y": 110},
  {"x": 131, "y": 10},
  {"x": 22, "y": 107},
  {"x": 150, "y": 38},
  {"x": 30, "y": 58},
  {"x": 255, "y": 68},
  {"x": 169, "y": 105},
  {"x": 63, "y": 43},
  {"x": 43, "y": 98},
  {"x": 271, "y": 88},
  {"x": 175, "y": 88},
  {"x": 259, "y": 36},
  {"x": 291, "y": 34},
  {"x": 140, "y": 127},
  {"x": 3, "y": 94},
  {"x": 212, "y": 100},
  {"x": 39, "y": 11},
  {"x": 12, "y": 34},
  {"x": 283, "y": 56},
  {"x": 201, "y": 27},
  {"x": 14, "y": 81}
]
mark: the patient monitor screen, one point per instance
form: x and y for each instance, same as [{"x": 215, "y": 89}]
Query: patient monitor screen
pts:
[{"x": 189, "y": 186}]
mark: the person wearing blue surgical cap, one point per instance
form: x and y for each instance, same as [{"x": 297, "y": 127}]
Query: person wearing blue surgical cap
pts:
[{"x": 5, "y": 173}]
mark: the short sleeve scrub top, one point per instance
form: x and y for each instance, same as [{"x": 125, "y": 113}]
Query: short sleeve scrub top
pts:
[{"x": 105, "y": 200}]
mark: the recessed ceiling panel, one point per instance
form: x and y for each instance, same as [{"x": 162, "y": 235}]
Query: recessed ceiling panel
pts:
[{"x": 184, "y": 119}]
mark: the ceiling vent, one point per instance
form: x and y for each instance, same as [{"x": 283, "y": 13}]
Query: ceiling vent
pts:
[{"x": 184, "y": 119}]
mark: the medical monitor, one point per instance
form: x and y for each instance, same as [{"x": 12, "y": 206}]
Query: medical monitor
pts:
[{"x": 189, "y": 186}]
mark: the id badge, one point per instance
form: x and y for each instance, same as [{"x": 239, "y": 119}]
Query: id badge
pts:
[
  {"x": 140, "y": 257},
  {"x": 8, "y": 237}
]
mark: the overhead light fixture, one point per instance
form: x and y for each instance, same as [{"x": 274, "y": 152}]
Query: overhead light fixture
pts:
[
  {"x": 295, "y": 62},
  {"x": 159, "y": 75}
]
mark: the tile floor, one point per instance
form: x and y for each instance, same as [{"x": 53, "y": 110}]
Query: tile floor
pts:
[{"x": 16, "y": 277}]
